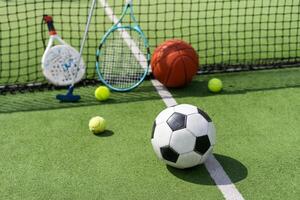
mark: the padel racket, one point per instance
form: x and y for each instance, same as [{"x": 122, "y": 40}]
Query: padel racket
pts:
[
  {"x": 123, "y": 56},
  {"x": 62, "y": 64}
]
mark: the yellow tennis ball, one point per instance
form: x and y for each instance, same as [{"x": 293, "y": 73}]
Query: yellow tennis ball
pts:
[
  {"x": 215, "y": 85},
  {"x": 97, "y": 124},
  {"x": 102, "y": 93}
]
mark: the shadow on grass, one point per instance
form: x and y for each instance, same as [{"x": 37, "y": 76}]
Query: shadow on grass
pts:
[
  {"x": 242, "y": 82},
  {"x": 199, "y": 175},
  {"x": 234, "y": 83},
  {"x": 106, "y": 133},
  {"x": 45, "y": 100}
]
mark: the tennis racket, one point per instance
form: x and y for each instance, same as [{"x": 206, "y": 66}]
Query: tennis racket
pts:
[
  {"x": 123, "y": 56},
  {"x": 62, "y": 65}
]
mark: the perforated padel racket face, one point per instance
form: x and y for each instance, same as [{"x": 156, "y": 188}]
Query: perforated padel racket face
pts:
[
  {"x": 61, "y": 66},
  {"x": 123, "y": 58}
]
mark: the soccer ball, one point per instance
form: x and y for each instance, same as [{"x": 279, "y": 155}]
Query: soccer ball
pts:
[{"x": 183, "y": 136}]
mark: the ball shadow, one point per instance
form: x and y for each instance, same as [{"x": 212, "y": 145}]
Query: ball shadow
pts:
[
  {"x": 106, "y": 133},
  {"x": 235, "y": 170}
]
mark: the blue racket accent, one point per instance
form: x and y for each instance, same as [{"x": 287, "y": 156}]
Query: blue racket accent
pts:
[
  {"x": 69, "y": 97},
  {"x": 123, "y": 56}
]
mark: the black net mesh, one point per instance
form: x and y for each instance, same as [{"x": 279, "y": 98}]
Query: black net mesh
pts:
[{"x": 227, "y": 34}]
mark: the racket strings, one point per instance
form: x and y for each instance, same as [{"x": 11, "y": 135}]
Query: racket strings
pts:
[{"x": 122, "y": 59}]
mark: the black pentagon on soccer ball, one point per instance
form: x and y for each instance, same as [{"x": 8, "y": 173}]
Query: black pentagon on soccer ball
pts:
[
  {"x": 205, "y": 115},
  {"x": 177, "y": 121},
  {"x": 169, "y": 154},
  {"x": 202, "y": 144}
]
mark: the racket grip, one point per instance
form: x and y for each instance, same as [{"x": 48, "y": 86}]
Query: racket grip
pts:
[{"x": 49, "y": 21}]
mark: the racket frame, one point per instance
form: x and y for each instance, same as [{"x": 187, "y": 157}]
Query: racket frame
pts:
[
  {"x": 55, "y": 37},
  {"x": 115, "y": 27}
]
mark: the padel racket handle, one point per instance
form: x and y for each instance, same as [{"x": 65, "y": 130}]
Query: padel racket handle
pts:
[{"x": 49, "y": 21}]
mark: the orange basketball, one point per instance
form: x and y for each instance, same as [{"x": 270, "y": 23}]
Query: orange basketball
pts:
[{"x": 174, "y": 63}]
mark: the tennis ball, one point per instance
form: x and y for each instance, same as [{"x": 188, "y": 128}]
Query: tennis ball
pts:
[
  {"x": 215, "y": 85},
  {"x": 97, "y": 124},
  {"x": 102, "y": 93}
]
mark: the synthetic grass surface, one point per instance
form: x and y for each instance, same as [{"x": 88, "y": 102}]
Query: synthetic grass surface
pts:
[
  {"x": 257, "y": 120},
  {"x": 50, "y": 154}
]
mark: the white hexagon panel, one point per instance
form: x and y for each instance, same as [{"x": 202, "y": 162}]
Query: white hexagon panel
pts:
[
  {"x": 197, "y": 124},
  {"x": 189, "y": 159},
  {"x": 162, "y": 134},
  {"x": 185, "y": 109},
  {"x": 164, "y": 115},
  {"x": 182, "y": 141}
]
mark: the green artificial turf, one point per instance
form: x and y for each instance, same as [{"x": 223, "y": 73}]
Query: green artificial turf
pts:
[
  {"x": 50, "y": 154},
  {"x": 257, "y": 120},
  {"x": 47, "y": 151}
]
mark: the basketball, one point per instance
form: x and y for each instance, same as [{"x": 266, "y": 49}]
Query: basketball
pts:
[{"x": 174, "y": 63}]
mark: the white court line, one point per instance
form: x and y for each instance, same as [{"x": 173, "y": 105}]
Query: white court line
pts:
[{"x": 216, "y": 171}]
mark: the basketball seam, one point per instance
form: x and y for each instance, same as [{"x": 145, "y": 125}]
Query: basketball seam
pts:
[
  {"x": 193, "y": 61},
  {"x": 185, "y": 72},
  {"x": 189, "y": 57},
  {"x": 184, "y": 68},
  {"x": 170, "y": 70},
  {"x": 179, "y": 50},
  {"x": 157, "y": 60}
]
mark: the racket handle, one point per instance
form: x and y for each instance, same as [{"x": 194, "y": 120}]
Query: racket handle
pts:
[{"x": 49, "y": 21}]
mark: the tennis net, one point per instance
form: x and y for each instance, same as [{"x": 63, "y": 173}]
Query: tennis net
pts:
[{"x": 229, "y": 35}]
